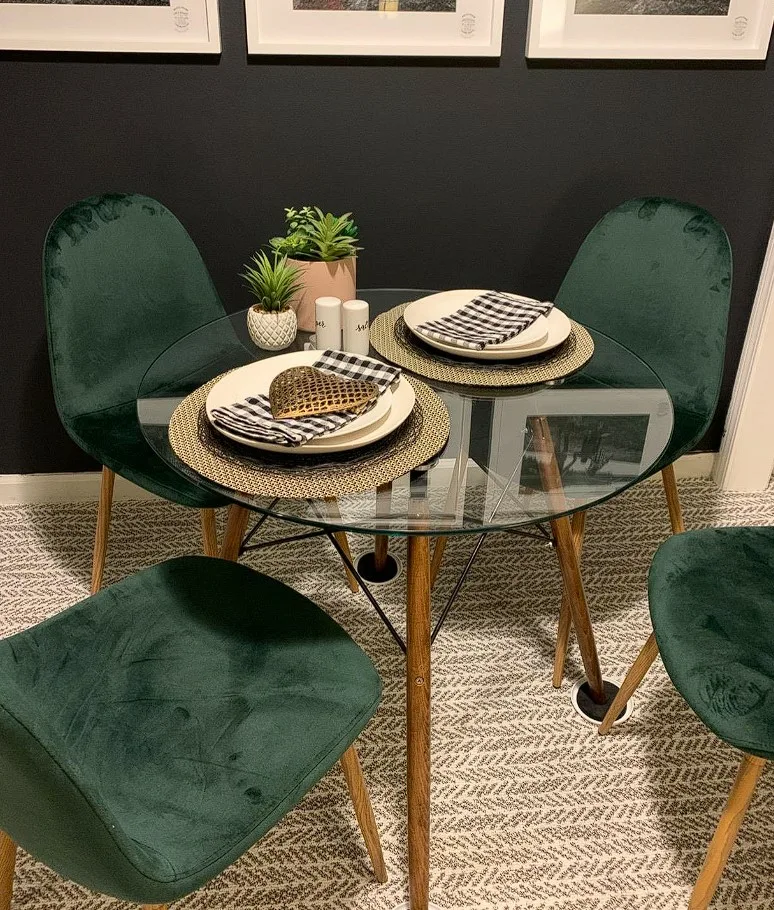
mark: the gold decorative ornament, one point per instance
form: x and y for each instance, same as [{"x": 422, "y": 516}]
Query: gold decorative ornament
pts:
[{"x": 307, "y": 391}]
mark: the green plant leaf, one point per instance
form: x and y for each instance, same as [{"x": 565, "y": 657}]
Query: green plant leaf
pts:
[{"x": 273, "y": 284}]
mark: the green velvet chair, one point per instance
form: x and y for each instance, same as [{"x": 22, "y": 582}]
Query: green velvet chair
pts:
[
  {"x": 712, "y": 607},
  {"x": 152, "y": 733},
  {"x": 655, "y": 274},
  {"x": 122, "y": 281}
]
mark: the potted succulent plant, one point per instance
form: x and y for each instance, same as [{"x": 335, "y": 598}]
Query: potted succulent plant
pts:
[
  {"x": 323, "y": 247},
  {"x": 271, "y": 321}
]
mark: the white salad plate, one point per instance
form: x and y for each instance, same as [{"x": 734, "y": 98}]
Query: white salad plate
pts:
[
  {"x": 546, "y": 332},
  {"x": 391, "y": 409}
]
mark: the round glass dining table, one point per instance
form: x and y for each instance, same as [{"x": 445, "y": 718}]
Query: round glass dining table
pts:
[{"x": 522, "y": 460}]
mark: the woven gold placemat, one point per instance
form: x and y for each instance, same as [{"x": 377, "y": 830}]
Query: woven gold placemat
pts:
[
  {"x": 392, "y": 339},
  {"x": 296, "y": 476}
]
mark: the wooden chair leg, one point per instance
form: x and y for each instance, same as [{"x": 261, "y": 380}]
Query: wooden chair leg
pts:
[
  {"x": 673, "y": 499},
  {"x": 7, "y": 865},
  {"x": 578, "y": 525},
  {"x": 726, "y": 832},
  {"x": 209, "y": 532},
  {"x": 358, "y": 792},
  {"x": 103, "y": 527},
  {"x": 634, "y": 677},
  {"x": 155, "y": 907},
  {"x": 343, "y": 541},
  {"x": 235, "y": 532}
]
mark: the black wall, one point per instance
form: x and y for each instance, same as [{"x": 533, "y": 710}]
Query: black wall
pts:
[{"x": 461, "y": 174}]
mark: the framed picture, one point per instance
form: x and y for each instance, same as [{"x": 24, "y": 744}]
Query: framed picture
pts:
[
  {"x": 650, "y": 29},
  {"x": 152, "y": 26},
  {"x": 608, "y": 438},
  {"x": 397, "y": 28}
]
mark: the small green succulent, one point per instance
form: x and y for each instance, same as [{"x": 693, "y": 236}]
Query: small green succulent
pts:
[
  {"x": 312, "y": 234},
  {"x": 273, "y": 284}
]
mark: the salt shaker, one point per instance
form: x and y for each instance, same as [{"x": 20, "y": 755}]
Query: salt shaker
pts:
[
  {"x": 354, "y": 320},
  {"x": 327, "y": 320}
]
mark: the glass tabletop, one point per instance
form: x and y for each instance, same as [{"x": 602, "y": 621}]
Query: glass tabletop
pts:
[{"x": 515, "y": 456}]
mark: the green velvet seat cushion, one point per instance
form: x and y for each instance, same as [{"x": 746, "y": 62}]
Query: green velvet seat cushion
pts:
[
  {"x": 712, "y": 605},
  {"x": 152, "y": 733}
]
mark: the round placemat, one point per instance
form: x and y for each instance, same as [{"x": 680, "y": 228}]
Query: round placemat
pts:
[
  {"x": 392, "y": 339},
  {"x": 292, "y": 476}
]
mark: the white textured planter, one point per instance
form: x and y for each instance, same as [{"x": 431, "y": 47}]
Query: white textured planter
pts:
[{"x": 271, "y": 331}]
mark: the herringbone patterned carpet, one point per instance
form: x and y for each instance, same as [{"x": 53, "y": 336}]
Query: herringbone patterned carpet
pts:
[{"x": 531, "y": 809}]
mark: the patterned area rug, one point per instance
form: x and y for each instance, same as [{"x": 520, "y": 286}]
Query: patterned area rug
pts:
[{"x": 531, "y": 809}]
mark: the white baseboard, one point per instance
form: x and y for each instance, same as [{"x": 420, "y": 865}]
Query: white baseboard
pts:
[
  {"x": 697, "y": 464},
  {"x": 29, "y": 489}
]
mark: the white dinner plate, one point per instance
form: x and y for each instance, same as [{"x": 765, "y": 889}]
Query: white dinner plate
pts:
[
  {"x": 392, "y": 408},
  {"x": 546, "y": 332}
]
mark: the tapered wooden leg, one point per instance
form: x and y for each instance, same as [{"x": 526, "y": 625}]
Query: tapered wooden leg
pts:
[
  {"x": 235, "y": 532},
  {"x": 579, "y": 611},
  {"x": 578, "y": 525},
  {"x": 209, "y": 532},
  {"x": 673, "y": 499},
  {"x": 435, "y": 563},
  {"x": 7, "y": 865},
  {"x": 350, "y": 765},
  {"x": 726, "y": 832},
  {"x": 103, "y": 527},
  {"x": 381, "y": 541},
  {"x": 343, "y": 542},
  {"x": 418, "y": 719},
  {"x": 551, "y": 478},
  {"x": 155, "y": 907},
  {"x": 634, "y": 677}
]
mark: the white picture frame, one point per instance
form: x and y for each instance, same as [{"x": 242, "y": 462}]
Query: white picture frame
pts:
[
  {"x": 557, "y": 30},
  {"x": 179, "y": 27},
  {"x": 472, "y": 29}
]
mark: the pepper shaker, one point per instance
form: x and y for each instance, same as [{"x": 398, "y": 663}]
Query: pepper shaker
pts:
[
  {"x": 327, "y": 320},
  {"x": 354, "y": 320}
]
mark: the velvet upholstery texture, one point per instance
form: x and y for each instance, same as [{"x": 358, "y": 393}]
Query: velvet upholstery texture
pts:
[
  {"x": 655, "y": 275},
  {"x": 122, "y": 281},
  {"x": 152, "y": 733},
  {"x": 712, "y": 605}
]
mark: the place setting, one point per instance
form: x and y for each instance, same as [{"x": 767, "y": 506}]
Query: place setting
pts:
[
  {"x": 482, "y": 338},
  {"x": 309, "y": 423}
]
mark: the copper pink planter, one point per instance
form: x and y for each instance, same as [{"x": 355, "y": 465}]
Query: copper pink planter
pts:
[{"x": 322, "y": 279}]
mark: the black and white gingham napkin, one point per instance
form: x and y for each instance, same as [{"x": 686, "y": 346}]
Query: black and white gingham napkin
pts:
[
  {"x": 490, "y": 318},
  {"x": 252, "y": 417}
]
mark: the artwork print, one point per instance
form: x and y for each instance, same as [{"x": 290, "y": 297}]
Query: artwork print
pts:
[
  {"x": 652, "y": 7},
  {"x": 398, "y": 6},
  {"x": 96, "y": 2}
]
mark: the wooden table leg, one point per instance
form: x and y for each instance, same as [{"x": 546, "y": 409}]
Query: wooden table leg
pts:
[
  {"x": 551, "y": 477},
  {"x": 382, "y": 541},
  {"x": 235, "y": 532},
  {"x": 578, "y": 523},
  {"x": 579, "y": 610},
  {"x": 435, "y": 565},
  {"x": 343, "y": 542},
  {"x": 418, "y": 720}
]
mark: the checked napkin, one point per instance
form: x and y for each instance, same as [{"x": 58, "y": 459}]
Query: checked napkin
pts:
[
  {"x": 252, "y": 417},
  {"x": 490, "y": 318}
]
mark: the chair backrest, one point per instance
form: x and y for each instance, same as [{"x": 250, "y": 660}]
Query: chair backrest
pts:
[
  {"x": 122, "y": 281},
  {"x": 655, "y": 275}
]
